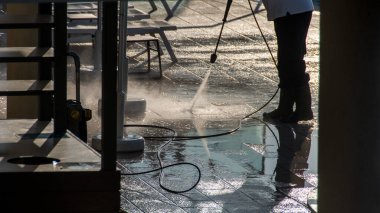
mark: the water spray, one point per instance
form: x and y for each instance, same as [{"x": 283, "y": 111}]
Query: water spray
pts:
[
  {"x": 200, "y": 89},
  {"x": 192, "y": 103}
]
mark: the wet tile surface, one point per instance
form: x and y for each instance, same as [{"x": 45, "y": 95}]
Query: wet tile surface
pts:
[
  {"x": 243, "y": 172},
  {"x": 251, "y": 170}
]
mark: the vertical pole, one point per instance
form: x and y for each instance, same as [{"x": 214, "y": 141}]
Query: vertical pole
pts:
[
  {"x": 122, "y": 71},
  {"x": 349, "y": 117},
  {"x": 60, "y": 67},
  {"x": 98, "y": 39},
  {"x": 109, "y": 86},
  {"x": 45, "y": 68}
]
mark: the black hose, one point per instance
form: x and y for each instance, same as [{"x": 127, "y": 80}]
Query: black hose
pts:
[{"x": 161, "y": 166}]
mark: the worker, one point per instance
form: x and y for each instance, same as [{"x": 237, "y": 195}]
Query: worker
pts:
[{"x": 291, "y": 23}]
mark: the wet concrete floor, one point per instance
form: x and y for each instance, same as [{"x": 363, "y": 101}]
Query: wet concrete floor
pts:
[
  {"x": 262, "y": 167},
  {"x": 259, "y": 168}
]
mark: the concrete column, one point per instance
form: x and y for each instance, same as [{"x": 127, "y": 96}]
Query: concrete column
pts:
[
  {"x": 22, "y": 107},
  {"x": 349, "y": 117}
]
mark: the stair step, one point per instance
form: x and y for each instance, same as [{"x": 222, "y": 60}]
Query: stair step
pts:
[
  {"x": 25, "y": 87},
  {"x": 81, "y": 29},
  {"x": 82, "y": 16},
  {"x": 26, "y": 54},
  {"x": 17, "y": 21}
]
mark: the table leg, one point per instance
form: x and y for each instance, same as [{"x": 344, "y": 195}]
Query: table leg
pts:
[
  {"x": 167, "y": 8},
  {"x": 168, "y": 46}
]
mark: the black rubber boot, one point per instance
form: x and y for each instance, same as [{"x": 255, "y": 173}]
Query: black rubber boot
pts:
[
  {"x": 303, "y": 110},
  {"x": 285, "y": 106}
]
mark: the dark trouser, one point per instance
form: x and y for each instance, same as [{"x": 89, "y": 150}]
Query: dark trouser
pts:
[{"x": 291, "y": 32}]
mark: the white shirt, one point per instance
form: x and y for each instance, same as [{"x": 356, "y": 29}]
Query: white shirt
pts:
[{"x": 280, "y": 8}]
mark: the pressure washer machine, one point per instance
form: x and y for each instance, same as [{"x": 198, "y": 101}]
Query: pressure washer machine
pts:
[{"x": 77, "y": 115}]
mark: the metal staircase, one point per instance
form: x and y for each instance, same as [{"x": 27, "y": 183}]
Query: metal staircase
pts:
[
  {"x": 50, "y": 54},
  {"x": 79, "y": 179}
]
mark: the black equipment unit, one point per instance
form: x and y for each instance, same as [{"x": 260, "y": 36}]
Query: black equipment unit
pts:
[{"x": 77, "y": 116}]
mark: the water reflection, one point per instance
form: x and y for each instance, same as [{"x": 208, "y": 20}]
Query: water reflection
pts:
[
  {"x": 292, "y": 162},
  {"x": 248, "y": 166},
  {"x": 293, "y": 153}
]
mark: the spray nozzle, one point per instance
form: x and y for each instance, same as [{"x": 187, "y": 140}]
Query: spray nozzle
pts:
[{"x": 213, "y": 58}]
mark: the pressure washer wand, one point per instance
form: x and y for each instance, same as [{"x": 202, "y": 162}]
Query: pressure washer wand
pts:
[{"x": 214, "y": 56}]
